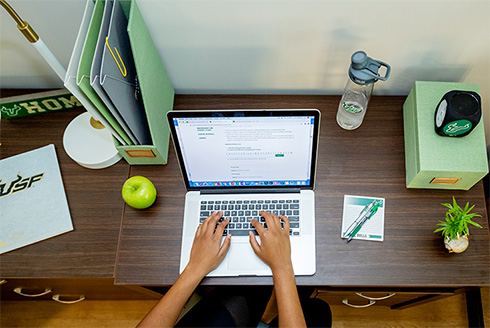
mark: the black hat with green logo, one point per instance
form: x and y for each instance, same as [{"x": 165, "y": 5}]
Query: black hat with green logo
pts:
[{"x": 458, "y": 113}]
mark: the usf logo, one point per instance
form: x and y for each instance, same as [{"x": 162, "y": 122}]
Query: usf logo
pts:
[
  {"x": 11, "y": 111},
  {"x": 18, "y": 184},
  {"x": 457, "y": 127}
]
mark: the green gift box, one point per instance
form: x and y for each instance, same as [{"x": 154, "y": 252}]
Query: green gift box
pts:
[{"x": 433, "y": 161}]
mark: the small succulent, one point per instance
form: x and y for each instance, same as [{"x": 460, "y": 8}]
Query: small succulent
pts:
[{"x": 457, "y": 220}]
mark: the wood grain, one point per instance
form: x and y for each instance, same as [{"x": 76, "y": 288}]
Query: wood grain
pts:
[
  {"x": 84, "y": 314},
  {"x": 449, "y": 312},
  {"x": 93, "y": 198},
  {"x": 369, "y": 161},
  {"x": 72, "y": 288}
]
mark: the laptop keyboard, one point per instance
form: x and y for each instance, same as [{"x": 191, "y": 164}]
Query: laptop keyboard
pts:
[{"x": 241, "y": 212}]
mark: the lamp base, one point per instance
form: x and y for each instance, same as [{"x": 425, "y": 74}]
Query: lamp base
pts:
[{"x": 89, "y": 143}]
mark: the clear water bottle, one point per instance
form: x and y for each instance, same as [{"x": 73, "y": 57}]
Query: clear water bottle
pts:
[{"x": 363, "y": 73}]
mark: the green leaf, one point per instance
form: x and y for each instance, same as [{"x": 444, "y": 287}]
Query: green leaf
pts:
[
  {"x": 475, "y": 224},
  {"x": 447, "y": 205},
  {"x": 457, "y": 219}
]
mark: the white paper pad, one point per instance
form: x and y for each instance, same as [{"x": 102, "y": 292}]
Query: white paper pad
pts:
[{"x": 373, "y": 229}]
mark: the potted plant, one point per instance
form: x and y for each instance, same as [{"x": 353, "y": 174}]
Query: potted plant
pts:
[{"x": 455, "y": 229}]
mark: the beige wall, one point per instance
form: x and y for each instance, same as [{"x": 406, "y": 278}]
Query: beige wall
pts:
[{"x": 276, "y": 46}]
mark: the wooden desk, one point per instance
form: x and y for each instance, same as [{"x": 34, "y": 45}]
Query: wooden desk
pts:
[
  {"x": 80, "y": 262},
  {"x": 368, "y": 161},
  {"x": 93, "y": 197}
]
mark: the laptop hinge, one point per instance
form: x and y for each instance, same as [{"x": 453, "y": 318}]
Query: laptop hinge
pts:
[{"x": 251, "y": 191}]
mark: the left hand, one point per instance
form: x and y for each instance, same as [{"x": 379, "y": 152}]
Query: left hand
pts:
[{"x": 207, "y": 252}]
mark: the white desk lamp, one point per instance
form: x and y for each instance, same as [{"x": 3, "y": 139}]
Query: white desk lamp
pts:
[{"x": 85, "y": 139}]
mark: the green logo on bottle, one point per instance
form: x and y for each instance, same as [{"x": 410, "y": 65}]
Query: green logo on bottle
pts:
[
  {"x": 458, "y": 127},
  {"x": 351, "y": 107}
]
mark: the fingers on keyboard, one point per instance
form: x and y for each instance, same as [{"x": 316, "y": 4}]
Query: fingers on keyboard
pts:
[{"x": 240, "y": 212}]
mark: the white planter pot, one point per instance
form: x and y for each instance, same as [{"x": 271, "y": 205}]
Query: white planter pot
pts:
[{"x": 457, "y": 245}]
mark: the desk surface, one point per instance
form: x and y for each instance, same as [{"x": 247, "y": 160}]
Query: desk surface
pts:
[
  {"x": 368, "y": 161},
  {"x": 94, "y": 198},
  {"x": 149, "y": 240}
]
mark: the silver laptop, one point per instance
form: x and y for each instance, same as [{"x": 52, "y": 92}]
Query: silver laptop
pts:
[{"x": 242, "y": 162}]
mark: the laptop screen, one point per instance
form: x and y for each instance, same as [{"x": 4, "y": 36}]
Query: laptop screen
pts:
[{"x": 251, "y": 149}]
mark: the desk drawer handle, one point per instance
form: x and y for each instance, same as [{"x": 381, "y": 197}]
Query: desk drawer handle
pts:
[
  {"x": 58, "y": 299},
  {"x": 3, "y": 281},
  {"x": 376, "y": 298},
  {"x": 18, "y": 290},
  {"x": 346, "y": 302}
]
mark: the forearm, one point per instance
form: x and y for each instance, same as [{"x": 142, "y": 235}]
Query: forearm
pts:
[
  {"x": 288, "y": 304},
  {"x": 168, "y": 309}
]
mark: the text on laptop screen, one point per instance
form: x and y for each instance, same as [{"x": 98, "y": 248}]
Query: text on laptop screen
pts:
[{"x": 269, "y": 151}]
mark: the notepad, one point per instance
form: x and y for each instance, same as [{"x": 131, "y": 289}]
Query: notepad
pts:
[
  {"x": 373, "y": 229},
  {"x": 32, "y": 199}
]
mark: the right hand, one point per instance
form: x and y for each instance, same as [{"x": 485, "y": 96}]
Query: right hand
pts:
[{"x": 275, "y": 247}]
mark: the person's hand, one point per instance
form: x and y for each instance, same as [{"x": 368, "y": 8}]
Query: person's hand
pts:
[
  {"x": 206, "y": 252},
  {"x": 275, "y": 247},
  {"x": 206, "y": 255}
]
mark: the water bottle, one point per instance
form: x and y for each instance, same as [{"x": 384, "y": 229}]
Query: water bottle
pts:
[{"x": 363, "y": 73}]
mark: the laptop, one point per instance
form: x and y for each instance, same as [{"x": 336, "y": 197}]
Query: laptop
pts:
[{"x": 242, "y": 162}]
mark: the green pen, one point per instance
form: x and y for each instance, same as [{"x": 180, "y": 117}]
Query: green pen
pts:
[{"x": 365, "y": 215}]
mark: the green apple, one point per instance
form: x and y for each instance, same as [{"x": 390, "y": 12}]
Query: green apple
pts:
[{"x": 139, "y": 192}]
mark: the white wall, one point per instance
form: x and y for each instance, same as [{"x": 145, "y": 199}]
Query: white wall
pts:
[{"x": 297, "y": 46}]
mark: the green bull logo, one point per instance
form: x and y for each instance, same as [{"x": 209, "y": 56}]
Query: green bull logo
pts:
[{"x": 457, "y": 127}]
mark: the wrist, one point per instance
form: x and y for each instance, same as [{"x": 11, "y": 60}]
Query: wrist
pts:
[
  {"x": 193, "y": 274},
  {"x": 283, "y": 270}
]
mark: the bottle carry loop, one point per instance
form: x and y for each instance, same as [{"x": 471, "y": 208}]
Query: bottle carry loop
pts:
[
  {"x": 364, "y": 70},
  {"x": 377, "y": 76}
]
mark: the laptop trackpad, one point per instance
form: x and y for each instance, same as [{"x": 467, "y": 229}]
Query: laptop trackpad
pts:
[{"x": 243, "y": 259}]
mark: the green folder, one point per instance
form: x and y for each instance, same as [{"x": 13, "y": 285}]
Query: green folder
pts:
[
  {"x": 156, "y": 90},
  {"x": 83, "y": 75}
]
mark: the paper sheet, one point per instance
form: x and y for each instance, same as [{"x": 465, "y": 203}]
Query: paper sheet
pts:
[
  {"x": 32, "y": 199},
  {"x": 118, "y": 77},
  {"x": 71, "y": 73},
  {"x": 85, "y": 65}
]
